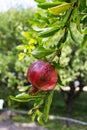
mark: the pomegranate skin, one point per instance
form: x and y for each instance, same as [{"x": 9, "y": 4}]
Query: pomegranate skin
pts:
[{"x": 42, "y": 75}]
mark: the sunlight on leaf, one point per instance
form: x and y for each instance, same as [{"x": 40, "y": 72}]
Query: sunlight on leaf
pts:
[
  {"x": 33, "y": 41},
  {"x": 59, "y": 9}
]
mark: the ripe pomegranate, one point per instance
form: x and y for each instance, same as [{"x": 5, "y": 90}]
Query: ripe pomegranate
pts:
[{"x": 42, "y": 75}]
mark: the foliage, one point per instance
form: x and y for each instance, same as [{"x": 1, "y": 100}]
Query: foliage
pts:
[
  {"x": 57, "y": 109},
  {"x": 59, "y": 35},
  {"x": 12, "y": 24}
]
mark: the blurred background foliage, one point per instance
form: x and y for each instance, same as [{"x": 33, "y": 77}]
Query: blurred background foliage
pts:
[{"x": 12, "y": 71}]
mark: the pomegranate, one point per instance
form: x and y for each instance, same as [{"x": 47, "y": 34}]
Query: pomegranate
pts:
[{"x": 42, "y": 75}]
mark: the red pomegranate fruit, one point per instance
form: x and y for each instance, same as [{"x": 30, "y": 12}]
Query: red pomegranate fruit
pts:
[{"x": 42, "y": 75}]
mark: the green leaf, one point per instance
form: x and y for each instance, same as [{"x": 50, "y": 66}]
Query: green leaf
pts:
[
  {"x": 47, "y": 105},
  {"x": 84, "y": 41},
  {"x": 34, "y": 116},
  {"x": 57, "y": 66},
  {"x": 40, "y": 1},
  {"x": 85, "y": 31},
  {"x": 66, "y": 16},
  {"x": 78, "y": 23},
  {"x": 41, "y": 52},
  {"x": 73, "y": 36},
  {"x": 84, "y": 20},
  {"x": 82, "y": 4},
  {"x": 60, "y": 81},
  {"x": 24, "y": 97},
  {"x": 47, "y": 5},
  {"x": 35, "y": 111},
  {"x": 49, "y": 32},
  {"x": 20, "y": 100},
  {"x": 40, "y": 117},
  {"x": 38, "y": 102},
  {"x": 59, "y": 9},
  {"x": 30, "y": 111}
]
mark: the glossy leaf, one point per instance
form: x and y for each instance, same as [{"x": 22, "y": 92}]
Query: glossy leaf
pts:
[
  {"x": 47, "y": 5},
  {"x": 49, "y": 32},
  {"x": 24, "y": 97},
  {"x": 25, "y": 88},
  {"x": 40, "y": 1},
  {"x": 20, "y": 100},
  {"x": 41, "y": 52},
  {"x": 59, "y": 9}
]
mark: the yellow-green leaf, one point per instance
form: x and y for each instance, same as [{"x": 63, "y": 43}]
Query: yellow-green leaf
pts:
[
  {"x": 25, "y": 34},
  {"x": 59, "y": 9},
  {"x": 21, "y": 56},
  {"x": 33, "y": 41}
]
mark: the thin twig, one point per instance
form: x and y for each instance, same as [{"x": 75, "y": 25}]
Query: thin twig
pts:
[{"x": 53, "y": 56}]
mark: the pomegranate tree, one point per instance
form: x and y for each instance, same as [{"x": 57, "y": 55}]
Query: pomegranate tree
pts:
[{"x": 42, "y": 75}]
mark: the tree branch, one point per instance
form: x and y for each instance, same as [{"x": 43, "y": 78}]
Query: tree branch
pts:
[{"x": 63, "y": 38}]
